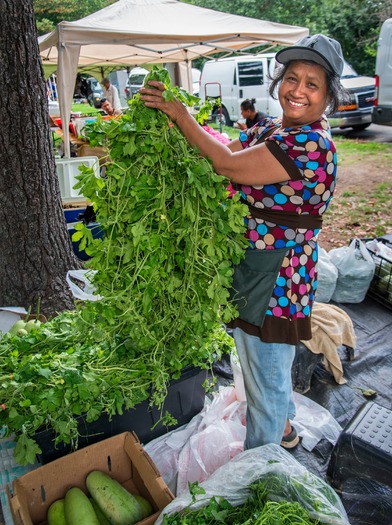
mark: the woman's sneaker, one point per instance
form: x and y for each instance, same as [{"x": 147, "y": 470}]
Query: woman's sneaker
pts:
[{"x": 291, "y": 440}]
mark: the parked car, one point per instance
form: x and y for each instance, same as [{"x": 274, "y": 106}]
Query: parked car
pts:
[
  {"x": 135, "y": 81},
  {"x": 357, "y": 114},
  {"x": 382, "y": 110},
  {"x": 236, "y": 78}
]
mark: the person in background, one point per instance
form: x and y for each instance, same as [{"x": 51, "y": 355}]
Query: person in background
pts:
[
  {"x": 108, "y": 108},
  {"x": 248, "y": 112},
  {"x": 111, "y": 94},
  {"x": 285, "y": 170}
]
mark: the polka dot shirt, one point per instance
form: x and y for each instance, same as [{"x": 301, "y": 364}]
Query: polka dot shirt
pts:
[{"x": 309, "y": 156}]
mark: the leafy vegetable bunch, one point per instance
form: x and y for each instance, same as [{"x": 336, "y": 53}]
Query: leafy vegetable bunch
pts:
[
  {"x": 67, "y": 368},
  {"x": 274, "y": 499},
  {"x": 171, "y": 237}
]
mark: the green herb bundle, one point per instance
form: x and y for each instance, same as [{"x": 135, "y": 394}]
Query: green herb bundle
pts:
[
  {"x": 171, "y": 237},
  {"x": 258, "y": 509}
]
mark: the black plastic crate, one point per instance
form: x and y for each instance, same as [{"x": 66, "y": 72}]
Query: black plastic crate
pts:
[
  {"x": 380, "y": 288},
  {"x": 185, "y": 398},
  {"x": 364, "y": 448}
]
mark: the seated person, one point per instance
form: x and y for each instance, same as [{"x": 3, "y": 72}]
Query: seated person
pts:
[
  {"x": 108, "y": 108},
  {"x": 248, "y": 112}
]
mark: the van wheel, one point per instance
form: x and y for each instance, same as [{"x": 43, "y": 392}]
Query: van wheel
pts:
[{"x": 216, "y": 117}]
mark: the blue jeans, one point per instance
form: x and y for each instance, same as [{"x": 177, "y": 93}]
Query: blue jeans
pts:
[{"x": 266, "y": 369}]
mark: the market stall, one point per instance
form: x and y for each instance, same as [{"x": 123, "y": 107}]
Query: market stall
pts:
[{"x": 132, "y": 32}]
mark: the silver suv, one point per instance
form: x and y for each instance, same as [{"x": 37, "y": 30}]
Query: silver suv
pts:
[{"x": 357, "y": 114}]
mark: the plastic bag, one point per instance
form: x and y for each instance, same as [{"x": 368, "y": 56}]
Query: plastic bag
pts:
[
  {"x": 327, "y": 277},
  {"x": 355, "y": 272},
  {"x": 80, "y": 285},
  {"x": 211, "y": 439},
  {"x": 314, "y": 422},
  {"x": 296, "y": 483}
]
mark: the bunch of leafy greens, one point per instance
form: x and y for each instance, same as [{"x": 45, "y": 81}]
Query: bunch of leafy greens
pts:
[
  {"x": 163, "y": 269},
  {"x": 273, "y": 500},
  {"x": 171, "y": 236}
]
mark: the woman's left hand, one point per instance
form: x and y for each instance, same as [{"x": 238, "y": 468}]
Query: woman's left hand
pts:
[{"x": 153, "y": 98}]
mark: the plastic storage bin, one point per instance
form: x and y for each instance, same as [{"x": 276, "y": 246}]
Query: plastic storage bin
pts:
[
  {"x": 96, "y": 231},
  {"x": 185, "y": 399},
  {"x": 67, "y": 169},
  {"x": 72, "y": 214},
  {"x": 364, "y": 448}
]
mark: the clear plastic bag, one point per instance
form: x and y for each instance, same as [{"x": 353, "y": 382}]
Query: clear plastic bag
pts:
[
  {"x": 294, "y": 483},
  {"x": 327, "y": 277},
  {"x": 80, "y": 285},
  {"x": 355, "y": 272}
]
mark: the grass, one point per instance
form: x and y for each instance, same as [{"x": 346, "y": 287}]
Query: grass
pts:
[
  {"x": 351, "y": 151},
  {"x": 361, "y": 209},
  {"x": 84, "y": 109}
]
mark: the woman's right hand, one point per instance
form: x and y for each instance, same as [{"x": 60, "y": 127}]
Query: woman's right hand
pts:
[{"x": 153, "y": 98}]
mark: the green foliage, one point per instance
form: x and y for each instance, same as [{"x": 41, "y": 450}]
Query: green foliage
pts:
[
  {"x": 49, "y": 13},
  {"x": 163, "y": 269},
  {"x": 273, "y": 500},
  {"x": 356, "y": 27},
  {"x": 171, "y": 236}
]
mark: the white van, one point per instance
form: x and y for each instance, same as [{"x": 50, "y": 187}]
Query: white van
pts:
[
  {"x": 235, "y": 79},
  {"x": 135, "y": 81},
  {"x": 382, "y": 110}
]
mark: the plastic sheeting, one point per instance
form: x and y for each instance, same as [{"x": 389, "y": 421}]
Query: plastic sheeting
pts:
[{"x": 367, "y": 502}]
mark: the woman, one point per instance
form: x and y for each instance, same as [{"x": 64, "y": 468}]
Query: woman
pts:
[
  {"x": 285, "y": 169},
  {"x": 249, "y": 113}
]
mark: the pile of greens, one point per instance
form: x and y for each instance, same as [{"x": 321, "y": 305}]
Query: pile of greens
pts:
[
  {"x": 262, "y": 507},
  {"x": 163, "y": 269}
]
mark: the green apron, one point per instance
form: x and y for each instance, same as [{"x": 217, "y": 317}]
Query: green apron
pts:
[{"x": 254, "y": 281}]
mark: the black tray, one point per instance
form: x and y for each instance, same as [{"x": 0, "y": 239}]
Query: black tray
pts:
[{"x": 185, "y": 399}]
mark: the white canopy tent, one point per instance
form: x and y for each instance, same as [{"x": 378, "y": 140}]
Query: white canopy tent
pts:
[{"x": 132, "y": 32}]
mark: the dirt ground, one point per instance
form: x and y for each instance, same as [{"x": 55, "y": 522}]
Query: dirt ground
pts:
[{"x": 360, "y": 177}]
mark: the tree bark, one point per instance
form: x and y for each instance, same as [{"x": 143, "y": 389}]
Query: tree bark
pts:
[{"x": 35, "y": 248}]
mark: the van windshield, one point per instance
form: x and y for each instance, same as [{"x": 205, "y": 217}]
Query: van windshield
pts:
[
  {"x": 348, "y": 71},
  {"x": 137, "y": 79}
]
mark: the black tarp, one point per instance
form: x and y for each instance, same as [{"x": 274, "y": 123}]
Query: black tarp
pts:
[{"x": 366, "y": 500}]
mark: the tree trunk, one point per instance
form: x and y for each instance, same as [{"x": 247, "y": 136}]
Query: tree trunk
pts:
[{"x": 35, "y": 247}]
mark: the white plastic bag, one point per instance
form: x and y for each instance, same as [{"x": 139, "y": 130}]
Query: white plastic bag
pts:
[
  {"x": 232, "y": 481},
  {"x": 86, "y": 291},
  {"x": 211, "y": 439},
  {"x": 355, "y": 272},
  {"x": 327, "y": 277}
]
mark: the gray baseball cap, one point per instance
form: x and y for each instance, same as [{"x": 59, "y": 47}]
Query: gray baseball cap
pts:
[{"x": 321, "y": 49}]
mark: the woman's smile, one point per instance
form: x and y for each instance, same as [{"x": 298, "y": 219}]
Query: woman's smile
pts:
[{"x": 303, "y": 93}]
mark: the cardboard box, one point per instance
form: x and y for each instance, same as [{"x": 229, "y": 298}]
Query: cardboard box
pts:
[{"x": 121, "y": 456}]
